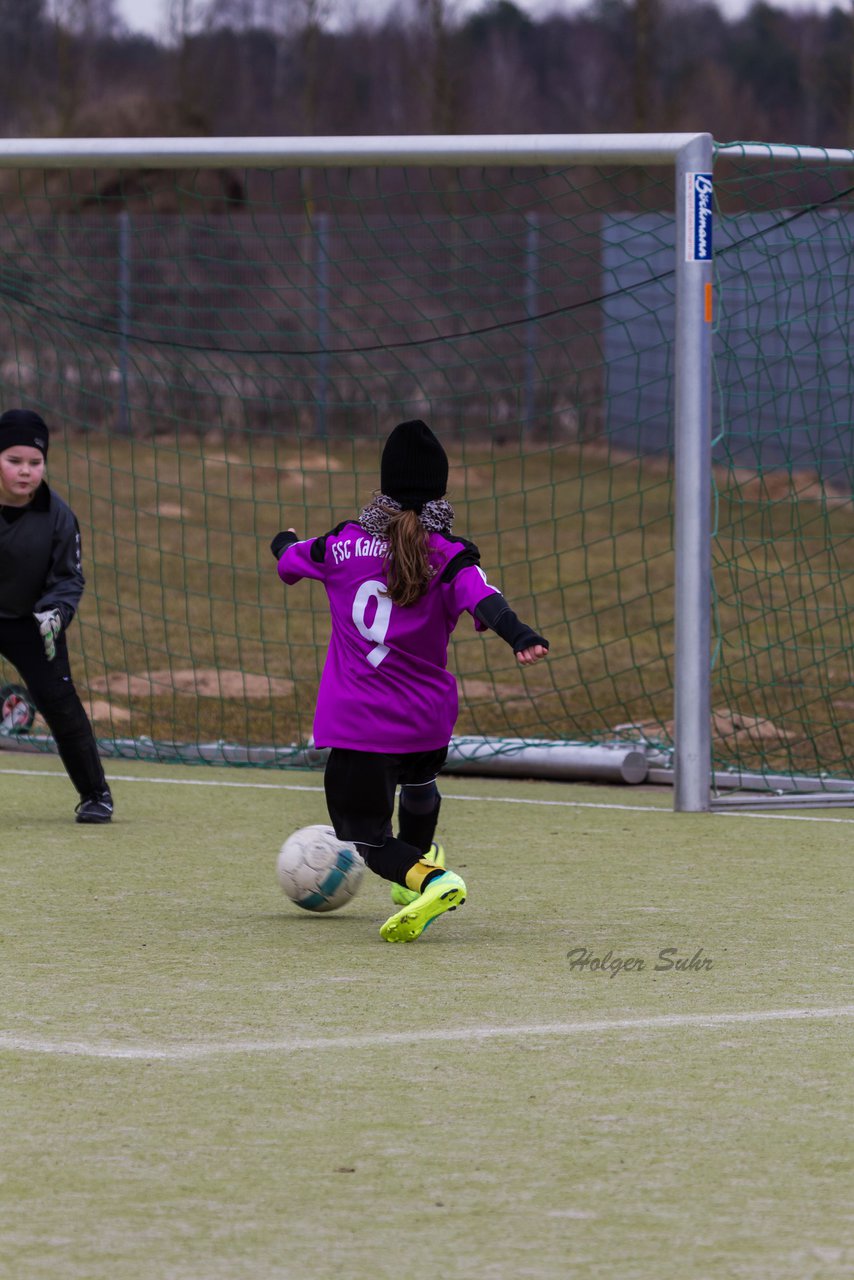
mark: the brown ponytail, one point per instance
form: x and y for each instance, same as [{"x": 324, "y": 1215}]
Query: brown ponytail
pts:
[{"x": 407, "y": 559}]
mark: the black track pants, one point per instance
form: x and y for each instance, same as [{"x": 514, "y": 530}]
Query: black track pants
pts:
[{"x": 52, "y": 690}]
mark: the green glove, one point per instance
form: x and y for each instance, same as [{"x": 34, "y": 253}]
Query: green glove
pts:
[{"x": 50, "y": 625}]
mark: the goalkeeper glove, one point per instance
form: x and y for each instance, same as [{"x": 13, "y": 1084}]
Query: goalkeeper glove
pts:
[
  {"x": 50, "y": 625},
  {"x": 282, "y": 541}
]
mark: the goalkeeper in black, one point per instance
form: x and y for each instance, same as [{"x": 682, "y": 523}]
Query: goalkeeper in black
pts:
[{"x": 41, "y": 582}]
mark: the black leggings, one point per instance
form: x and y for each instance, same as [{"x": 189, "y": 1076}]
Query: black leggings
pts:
[
  {"x": 52, "y": 690},
  {"x": 360, "y": 789}
]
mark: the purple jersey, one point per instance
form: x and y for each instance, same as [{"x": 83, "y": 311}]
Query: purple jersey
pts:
[{"x": 385, "y": 684}]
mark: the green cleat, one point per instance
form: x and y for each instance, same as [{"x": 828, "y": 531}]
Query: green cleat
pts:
[
  {"x": 400, "y": 895},
  {"x": 445, "y": 893}
]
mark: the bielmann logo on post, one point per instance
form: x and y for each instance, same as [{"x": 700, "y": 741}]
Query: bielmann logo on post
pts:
[{"x": 698, "y": 214}]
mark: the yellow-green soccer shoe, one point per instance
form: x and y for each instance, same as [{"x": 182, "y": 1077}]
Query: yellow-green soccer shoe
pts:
[
  {"x": 400, "y": 895},
  {"x": 444, "y": 893}
]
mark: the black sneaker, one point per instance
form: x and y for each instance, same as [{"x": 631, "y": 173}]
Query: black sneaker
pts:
[{"x": 95, "y": 808}]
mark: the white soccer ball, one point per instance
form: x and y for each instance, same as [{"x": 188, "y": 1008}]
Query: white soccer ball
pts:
[{"x": 318, "y": 871}]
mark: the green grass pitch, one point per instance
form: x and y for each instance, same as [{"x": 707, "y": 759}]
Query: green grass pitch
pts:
[{"x": 201, "y": 1082}]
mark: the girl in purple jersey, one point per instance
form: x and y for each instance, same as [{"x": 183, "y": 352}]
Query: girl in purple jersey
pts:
[{"x": 397, "y": 581}]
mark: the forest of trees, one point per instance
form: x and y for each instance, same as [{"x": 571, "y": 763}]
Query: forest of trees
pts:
[{"x": 266, "y": 67}]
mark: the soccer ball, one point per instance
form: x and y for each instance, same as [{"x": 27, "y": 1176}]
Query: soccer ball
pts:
[
  {"x": 17, "y": 712},
  {"x": 318, "y": 871}
]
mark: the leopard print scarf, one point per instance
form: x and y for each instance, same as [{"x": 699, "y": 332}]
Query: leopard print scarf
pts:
[{"x": 436, "y": 516}]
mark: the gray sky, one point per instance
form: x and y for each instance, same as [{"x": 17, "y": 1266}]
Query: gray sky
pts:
[
  {"x": 148, "y": 15},
  {"x": 142, "y": 15}
]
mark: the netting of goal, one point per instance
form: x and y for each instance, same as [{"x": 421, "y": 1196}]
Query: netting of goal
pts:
[{"x": 222, "y": 346}]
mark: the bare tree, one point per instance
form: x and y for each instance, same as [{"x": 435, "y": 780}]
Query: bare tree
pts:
[
  {"x": 180, "y": 19},
  {"x": 443, "y": 106},
  {"x": 184, "y": 18},
  {"x": 310, "y": 17},
  {"x": 71, "y": 63},
  {"x": 645, "y": 19},
  {"x": 24, "y": 24}
]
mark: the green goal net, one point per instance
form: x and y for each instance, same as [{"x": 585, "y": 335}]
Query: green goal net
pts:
[
  {"x": 782, "y": 453},
  {"x": 783, "y": 551},
  {"x": 221, "y": 352}
]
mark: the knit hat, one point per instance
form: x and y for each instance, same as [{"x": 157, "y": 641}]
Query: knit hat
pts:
[
  {"x": 414, "y": 467},
  {"x": 23, "y": 426}
]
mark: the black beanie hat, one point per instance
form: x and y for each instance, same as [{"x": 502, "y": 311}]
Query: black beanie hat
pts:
[
  {"x": 23, "y": 426},
  {"x": 414, "y": 467}
]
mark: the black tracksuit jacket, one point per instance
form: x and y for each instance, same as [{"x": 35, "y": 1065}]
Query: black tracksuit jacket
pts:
[
  {"x": 40, "y": 558},
  {"x": 40, "y": 570}
]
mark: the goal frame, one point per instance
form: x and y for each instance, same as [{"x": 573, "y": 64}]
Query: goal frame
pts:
[{"x": 687, "y": 154}]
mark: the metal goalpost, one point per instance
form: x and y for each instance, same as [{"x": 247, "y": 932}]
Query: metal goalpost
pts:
[{"x": 691, "y": 159}]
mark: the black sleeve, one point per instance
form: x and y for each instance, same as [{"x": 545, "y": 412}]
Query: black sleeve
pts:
[
  {"x": 286, "y": 539},
  {"x": 495, "y": 612},
  {"x": 64, "y": 583},
  {"x": 282, "y": 541},
  {"x": 462, "y": 560},
  {"x": 318, "y": 547}
]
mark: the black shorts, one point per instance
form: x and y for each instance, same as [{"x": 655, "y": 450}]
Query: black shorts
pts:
[{"x": 361, "y": 786}]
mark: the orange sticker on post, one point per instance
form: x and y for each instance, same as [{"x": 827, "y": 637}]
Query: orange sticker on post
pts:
[{"x": 708, "y": 293}]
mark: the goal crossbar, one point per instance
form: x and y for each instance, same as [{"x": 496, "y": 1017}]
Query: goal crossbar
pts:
[{"x": 426, "y": 149}]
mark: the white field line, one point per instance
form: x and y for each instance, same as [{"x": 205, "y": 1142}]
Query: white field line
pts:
[
  {"x": 385, "y": 1039},
  {"x": 560, "y": 804}
]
